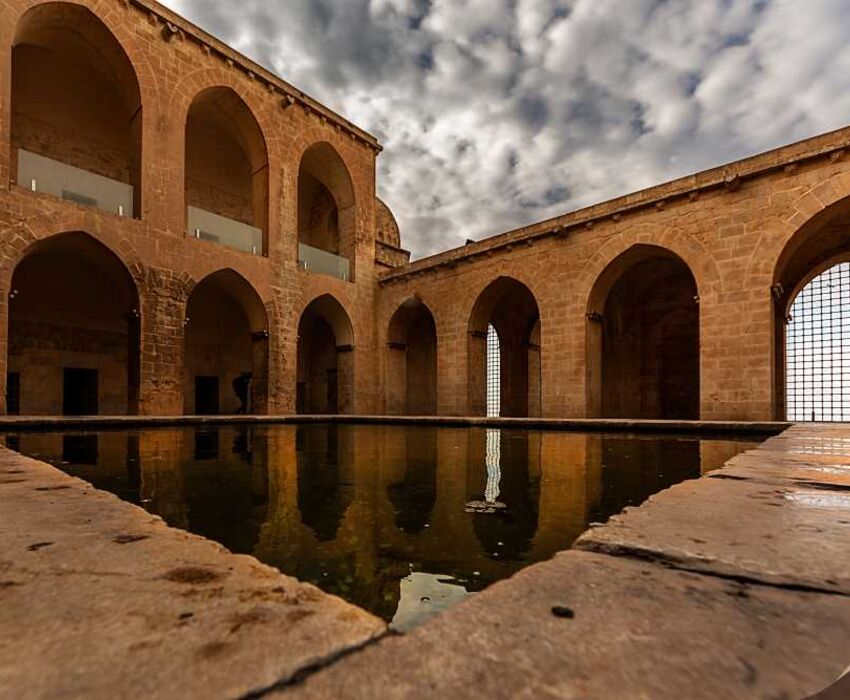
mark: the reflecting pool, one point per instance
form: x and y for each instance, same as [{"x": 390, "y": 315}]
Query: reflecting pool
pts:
[{"x": 403, "y": 521}]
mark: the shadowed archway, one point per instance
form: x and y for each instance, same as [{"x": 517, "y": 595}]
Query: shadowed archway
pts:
[
  {"x": 643, "y": 338},
  {"x": 74, "y": 331},
  {"x": 325, "y": 373},
  {"x": 411, "y": 382},
  {"x": 226, "y": 347}
]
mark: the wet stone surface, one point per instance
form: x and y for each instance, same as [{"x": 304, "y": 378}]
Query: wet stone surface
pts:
[{"x": 99, "y": 599}]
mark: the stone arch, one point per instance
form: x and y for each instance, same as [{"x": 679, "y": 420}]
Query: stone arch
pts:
[
  {"x": 49, "y": 224},
  {"x": 818, "y": 244},
  {"x": 512, "y": 309},
  {"x": 226, "y": 356},
  {"x": 76, "y": 114},
  {"x": 411, "y": 381},
  {"x": 73, "y": 329},
  {"x": 226, "y": 171},
  {"x": 325, "y": 360},
  {"x": 642, "y": 337},
  {"x": 694, "y": 254},
  {"x": 327, "y": 219}
]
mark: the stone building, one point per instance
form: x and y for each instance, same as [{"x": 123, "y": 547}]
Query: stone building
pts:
[{"x": 175, "y": 217}]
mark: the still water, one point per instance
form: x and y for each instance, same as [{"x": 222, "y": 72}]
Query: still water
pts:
[{"x": 403, "y": 521}]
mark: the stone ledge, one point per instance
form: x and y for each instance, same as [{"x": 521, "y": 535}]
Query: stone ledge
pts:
[
  {"x": 638, "y": 631},
  {"x": 100, "y": 599},
  {"x": 612, "y": 425}
]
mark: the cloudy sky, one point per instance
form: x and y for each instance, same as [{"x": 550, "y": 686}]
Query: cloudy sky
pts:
[{"x": 498, "y": 113}]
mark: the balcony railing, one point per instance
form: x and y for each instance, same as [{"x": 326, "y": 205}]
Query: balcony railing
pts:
[
  {"x": 316, "y": 260},
  {"x": 42, "y": 174},
  {"x": 219, "y": 229}
]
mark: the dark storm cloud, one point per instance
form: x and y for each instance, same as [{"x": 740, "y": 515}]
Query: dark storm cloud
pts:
[{"x": 495, "y": 113}]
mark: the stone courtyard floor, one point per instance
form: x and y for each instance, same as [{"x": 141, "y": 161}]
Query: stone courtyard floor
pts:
[{"x": 735, "y": 585}]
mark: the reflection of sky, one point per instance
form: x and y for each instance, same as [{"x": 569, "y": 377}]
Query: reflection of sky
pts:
[
  {"x": 423, "y": 596},
  {"x": 493, "y": 458},
  {"x": 818, "y": 349}
]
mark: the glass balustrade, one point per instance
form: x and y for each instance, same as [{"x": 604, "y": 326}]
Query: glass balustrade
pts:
[
  {"x": 41, "y": 174},
  {"x": 227, "y": 232},
  {"x": 322, "y": 262}
]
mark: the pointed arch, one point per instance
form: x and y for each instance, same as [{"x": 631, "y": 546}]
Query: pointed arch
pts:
[
  {"x": 411, "y": 382},
  {"x": 326, "y": 213},
  {"x": 74, "y": 330},
  {"x": 226, "y": 347},
  {"x": 325, "y": 365},
  {"x": 813, "y": 258},
  {"x": 76, "y": 117},
  {"x": 642, "y": 337},
  {"x": 511, "y": 308},
  {"x": 226, "y": 170}
]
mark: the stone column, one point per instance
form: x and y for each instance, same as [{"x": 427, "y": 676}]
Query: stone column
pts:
[{"x": 161, "y": 371}]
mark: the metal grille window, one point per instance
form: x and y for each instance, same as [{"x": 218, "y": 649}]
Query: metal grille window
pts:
[
  {"x": 494, "y": 374},
  {"x": 818, "y": 349}
]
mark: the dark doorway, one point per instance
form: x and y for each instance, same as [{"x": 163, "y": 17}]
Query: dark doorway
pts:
[
  {"x": 13, "y": 393},
  {"x": 80, "y": 392},
  {"x": 333, "y": 394},
  {"x": 300, "y": 397},
  {"x": 206, "y": 396}
]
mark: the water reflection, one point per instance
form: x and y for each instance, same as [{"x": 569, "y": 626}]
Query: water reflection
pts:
[{"x": 403, "y": 521}]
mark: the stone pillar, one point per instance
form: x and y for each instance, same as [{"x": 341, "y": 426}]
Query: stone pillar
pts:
[
  {"x": 161, "y": 369},
  {"x": 452, "y": 390}
]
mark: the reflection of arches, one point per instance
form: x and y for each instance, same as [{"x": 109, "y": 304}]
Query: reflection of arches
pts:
[
  {"x": 325, "y": 373},
  {"x": 413, "y": 497},
  {"x": 226, "y": 336},
  {"x": 510, "y": 307},
  {"x": 412, "y": 361},
  {"x": 226, "y": 164},
  {"x": 811, "y": 260},
  {"x": 326, "y": 212},
  {"x": 75, "y": 99},
  {"x": 643, "y": 338},
  {"x": 73, "y": 330},
  {"x": 325, "y": 481}
]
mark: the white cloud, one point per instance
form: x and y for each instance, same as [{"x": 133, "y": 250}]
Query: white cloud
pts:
[{"x": 497, "y": 113}]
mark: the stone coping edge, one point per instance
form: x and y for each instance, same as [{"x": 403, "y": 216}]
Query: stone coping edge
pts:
[{"x": 720, "y": 428}]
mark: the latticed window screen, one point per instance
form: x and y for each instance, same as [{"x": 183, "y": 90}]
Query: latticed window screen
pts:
[
  {"x": 818, "y": 349},
  {"x": 494, "y": 374}
]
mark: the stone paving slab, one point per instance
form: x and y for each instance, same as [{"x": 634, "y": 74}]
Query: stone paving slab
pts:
[
  {"x": 637, "y": 630},
  {"x": 830, "y": 472},
  {"x": 778, "y": 534},
  {"x": 99, "y": 599}
]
